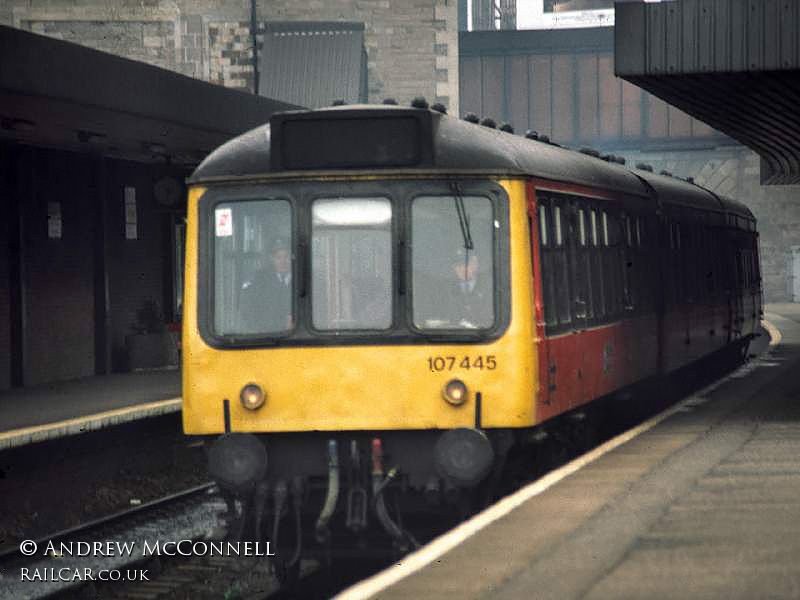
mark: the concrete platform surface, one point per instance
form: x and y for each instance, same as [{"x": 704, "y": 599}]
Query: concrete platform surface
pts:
[
  {"x": 56, "y": 409},
  {"x": 705, "y": 504}
]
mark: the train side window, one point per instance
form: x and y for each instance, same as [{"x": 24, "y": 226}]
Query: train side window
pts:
[
  {"x": 557, "y": 233},
  {"x": 546, "y": 259},
  {"x": 708, "y": 237},
  {"x": 585, "y": 267},
  {"x": 756, "y": 266},
  {"x": 543, "y": 225},
  {"x": 626, "y": 262},
  {"x": 626, "y": 222},
  {"x": 688, "y": 263},
  {"x": 612, "y": 277},
  {"x": 579, "y": 262},
  {"x": 749, "y": 269},
  {"x": 639, "y": 232},
  {"x": 560, "y": 264},
  {"x": 598, "y": 284}
]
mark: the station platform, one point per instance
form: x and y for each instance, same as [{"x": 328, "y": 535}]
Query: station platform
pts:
[
  {"x": 702, "y": 501},
  {"x": 39, "y": 413}
]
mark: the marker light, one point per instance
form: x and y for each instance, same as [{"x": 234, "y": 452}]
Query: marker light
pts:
[
  {"x": 252, "y": 396},
  {"x": 455, "y": 392}
]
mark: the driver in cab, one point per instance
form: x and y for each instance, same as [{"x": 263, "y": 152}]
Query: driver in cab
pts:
[{"x": 467, "y": 301}]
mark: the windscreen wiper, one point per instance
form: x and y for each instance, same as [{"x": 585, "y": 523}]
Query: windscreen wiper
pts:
[{"x": 463, "y": 219}]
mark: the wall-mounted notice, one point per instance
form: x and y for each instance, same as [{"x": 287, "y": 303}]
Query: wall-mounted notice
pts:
[
  {"x": 561, "y": 14},
  {"x": 131, "y": 218},
  {"x": 224, "y": 222},
  {"x": 54, "y": 220}
]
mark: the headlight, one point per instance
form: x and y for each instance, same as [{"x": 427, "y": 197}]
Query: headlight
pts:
[
  {"x": 252, "y": 396},
  {"x": 455, "y": 392}
]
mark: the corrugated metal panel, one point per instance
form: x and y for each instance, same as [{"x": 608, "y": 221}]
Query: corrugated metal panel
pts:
[
  {"x": 692, "y": 36},
  {"x": 562, "y": 85},
  {"x": 313, "y": 64},
  {"x": 733, "y": 64}
]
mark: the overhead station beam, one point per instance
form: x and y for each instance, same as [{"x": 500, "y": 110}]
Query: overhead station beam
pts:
[
  {"x": 62, "y": 95},
  {"x": 734, "y": 64}
]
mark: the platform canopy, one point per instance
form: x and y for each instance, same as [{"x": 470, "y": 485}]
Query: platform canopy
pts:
[
  {"x": 734, "y": 64},
  {"x": 62, "y": 95}
]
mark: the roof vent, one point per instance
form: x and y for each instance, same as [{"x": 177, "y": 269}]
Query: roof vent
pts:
[
  {"x": 590, "y": 152},
  {"x": 439, "y": 107},
  {"x": 390, "y": 101},
  {"x": 419, "y": 102},
  {"x": 532, "y": 135},
  {"x": 507, "y": 128},
  {"x": 489, "y": 122},
  {"x": 472, "y": 118}
]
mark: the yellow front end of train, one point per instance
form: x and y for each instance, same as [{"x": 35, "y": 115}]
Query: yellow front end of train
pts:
[{"x": 371, "y": 381}]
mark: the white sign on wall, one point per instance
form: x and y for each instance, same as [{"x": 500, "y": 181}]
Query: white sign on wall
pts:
[
  {"x": 131, "y": 217},
  {"x": 565, "y": 14}
]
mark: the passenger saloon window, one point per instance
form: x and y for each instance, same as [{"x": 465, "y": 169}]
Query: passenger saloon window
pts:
[
  {"x": 557, "y": 224},
  {"x": 543, "y": 225},
  {"x": 453, "y": 285},
  {"x": 252, "y": 267},
  {"x": 351, "y": 263},
  {"x": 582, "y": 227}
]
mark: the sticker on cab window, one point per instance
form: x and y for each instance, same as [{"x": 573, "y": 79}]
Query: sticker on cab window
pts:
[{"x": 224, "y": 222}]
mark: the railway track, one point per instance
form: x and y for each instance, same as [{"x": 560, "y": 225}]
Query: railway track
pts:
[{"x": 128, "y": 549}]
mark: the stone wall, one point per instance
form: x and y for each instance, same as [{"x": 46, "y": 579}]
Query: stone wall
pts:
[
  {"x": 734, "y": 172},
  {"x": 412, "y": 45}
]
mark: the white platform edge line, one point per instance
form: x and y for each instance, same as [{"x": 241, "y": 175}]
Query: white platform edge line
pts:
[
  {"x": 446, "y": 542},
  {"x": 775, "y": 336},
  {"x": 91, "y": 422}
]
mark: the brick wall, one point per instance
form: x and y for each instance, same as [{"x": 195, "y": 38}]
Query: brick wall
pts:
[{"x": 412, "y": 45}]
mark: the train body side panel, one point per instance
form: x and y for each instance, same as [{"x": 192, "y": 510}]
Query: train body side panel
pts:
[
  {"x": 589, "y": 361},
  {"x": 589, "y": 364},
  {"x": 366, "y": 387}
]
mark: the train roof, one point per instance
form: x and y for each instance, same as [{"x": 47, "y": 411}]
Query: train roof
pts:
[
  {"x": 679, "y": 192},
  {"x": 447, "y": 144},
  {"x": 455, "y": 145}
]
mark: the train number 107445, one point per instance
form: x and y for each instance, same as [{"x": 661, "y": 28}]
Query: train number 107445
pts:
[{"x": 448, "y": 363}]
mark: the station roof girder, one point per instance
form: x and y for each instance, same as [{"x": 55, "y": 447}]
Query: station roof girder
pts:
[
  {"x": 63, "y": 95},
  {"x": 734, "y": 64}
]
